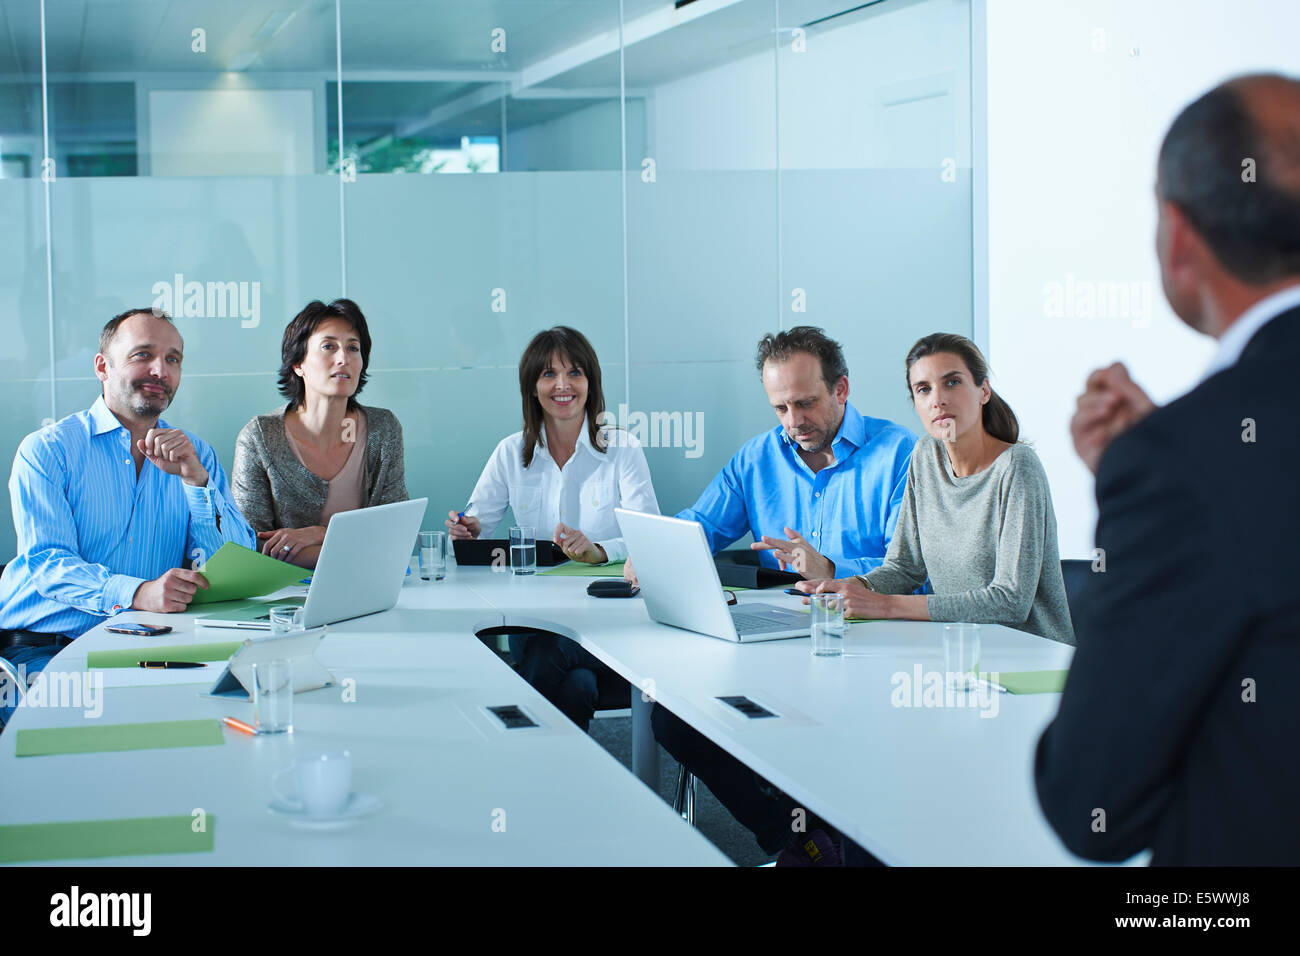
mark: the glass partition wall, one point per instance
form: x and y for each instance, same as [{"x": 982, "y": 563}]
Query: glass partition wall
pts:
[{"x": 672, "y": 181}]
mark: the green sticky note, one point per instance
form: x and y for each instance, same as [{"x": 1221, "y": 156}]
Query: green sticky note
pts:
[
  {"x": 1031, "y": 682},
  {"x": 88, "y": 839},
  {"x": 236, "y": 572},
  {"x": 576, "y": 569},
  {"x": 104, "y": 738},
  {"x": 131, "y": 657}
]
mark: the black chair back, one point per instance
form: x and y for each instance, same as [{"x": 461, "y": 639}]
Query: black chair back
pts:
[{"x": 1076, "y": 572}]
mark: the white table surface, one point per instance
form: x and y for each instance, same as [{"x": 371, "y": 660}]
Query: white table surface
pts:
[
  {"x": 419, "y": 739},
  {"x": 917, "y": 785}
]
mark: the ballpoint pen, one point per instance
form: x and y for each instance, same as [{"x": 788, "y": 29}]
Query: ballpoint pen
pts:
[{"x": 151, "y": 665}]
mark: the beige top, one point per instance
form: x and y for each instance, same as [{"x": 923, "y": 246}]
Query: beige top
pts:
[{"x": 347, "y": 488}]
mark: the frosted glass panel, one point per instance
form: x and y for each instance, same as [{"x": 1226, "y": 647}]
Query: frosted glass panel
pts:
[
  {"x": 24, "y": 328},
  {"x": 498, "y": 168},
  {"x": 475, "y": 265},
  {"x": 232, "y": 259},
  {"x": 883, "y": 257},
  {"x": 876, "y": 188},
  {"x": 702, "y": 255}
]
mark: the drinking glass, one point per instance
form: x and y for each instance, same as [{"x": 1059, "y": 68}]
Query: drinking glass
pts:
[
  {"x": 433, "y": 555},
  {"x": 273, "y": 697},
  {"x": 286, "y": 619},
  {"x": 523, "y": 551},
  {"x": 961, "y": 654},
  {"x": 827, "y": 624}
]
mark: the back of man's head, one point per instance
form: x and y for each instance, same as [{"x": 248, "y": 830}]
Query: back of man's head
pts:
[{"x": 1231, "y": 163}]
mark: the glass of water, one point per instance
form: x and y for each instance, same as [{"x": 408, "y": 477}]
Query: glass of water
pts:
[
  {"x": 433, "y": 555},
  {"x": 286, "y": 619},
  {"x": 961, "y": 654},
  {"x": 523, "y": 551},
  {"x": 273, "y": 697},
  {"x": 828, "y": 624}
]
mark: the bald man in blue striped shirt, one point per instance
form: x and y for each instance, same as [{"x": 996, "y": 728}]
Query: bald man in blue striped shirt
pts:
[{"x": 109, "y": 503}]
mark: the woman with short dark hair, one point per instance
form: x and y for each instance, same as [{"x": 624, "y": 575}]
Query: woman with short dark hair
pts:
[{"x": 323, "y": 452}]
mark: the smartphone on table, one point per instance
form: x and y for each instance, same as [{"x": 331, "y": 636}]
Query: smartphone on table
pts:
[{"x": 139, "y": 630}]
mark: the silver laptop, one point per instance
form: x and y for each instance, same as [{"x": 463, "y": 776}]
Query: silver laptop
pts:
[
  {"x": 360, "y": 570},
  {"x": 680, "y": 583}
]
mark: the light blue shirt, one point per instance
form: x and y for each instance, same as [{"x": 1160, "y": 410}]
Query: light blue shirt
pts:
[
  {"x": 90, "y": 532},
  {"x": 847, "y": 511}
]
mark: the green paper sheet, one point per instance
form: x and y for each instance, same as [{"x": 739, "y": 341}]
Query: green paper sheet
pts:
[
  {"x": 236, "y": 572},
  {"x": 576, "y": 569},
  {"x": 93, "y": 839},
  {"x": 91, "y": 738},
  {"x": 131, "y": 657},
  {"x": 1031, "y": 682}
]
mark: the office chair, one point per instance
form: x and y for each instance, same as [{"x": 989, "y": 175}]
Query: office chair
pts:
[{"x": 1076, "y": 573}]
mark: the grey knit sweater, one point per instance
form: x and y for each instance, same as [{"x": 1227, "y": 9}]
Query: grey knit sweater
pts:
[
  {"x": 274, "y": 490},
  {"x": 986, "y": 541}
]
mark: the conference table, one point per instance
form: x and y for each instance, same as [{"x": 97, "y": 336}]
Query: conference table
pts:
[{"x": 914, "y": 777}]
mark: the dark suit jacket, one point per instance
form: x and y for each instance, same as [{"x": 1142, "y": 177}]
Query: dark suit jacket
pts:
[{"x": 1181, "y": 714}]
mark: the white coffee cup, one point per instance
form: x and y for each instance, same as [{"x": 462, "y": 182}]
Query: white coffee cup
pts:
[{"x": 322, "y": 779}]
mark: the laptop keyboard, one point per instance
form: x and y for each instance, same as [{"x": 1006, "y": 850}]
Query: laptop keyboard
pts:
[{"x": 750, "y": 623}]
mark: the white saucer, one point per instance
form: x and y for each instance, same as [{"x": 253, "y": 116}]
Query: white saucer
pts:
[{"x": 358, "y": 806}]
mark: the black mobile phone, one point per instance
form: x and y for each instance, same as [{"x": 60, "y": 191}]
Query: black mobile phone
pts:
[{"x": 140, "y": 630}]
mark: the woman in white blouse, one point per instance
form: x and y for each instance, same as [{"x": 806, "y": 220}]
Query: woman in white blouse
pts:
[{"x": 564, "y": 475}]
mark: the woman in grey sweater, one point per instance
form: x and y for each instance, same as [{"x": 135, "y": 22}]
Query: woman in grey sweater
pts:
[
  {"x": 323, "y": 452},
  {"x": 977, "y": 516}
]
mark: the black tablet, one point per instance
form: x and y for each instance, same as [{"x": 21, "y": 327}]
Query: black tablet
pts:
[{"x": 485, "y": 551}]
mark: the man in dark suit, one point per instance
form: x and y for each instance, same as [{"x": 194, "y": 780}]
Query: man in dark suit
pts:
[{"x": 1179, "y": 727}]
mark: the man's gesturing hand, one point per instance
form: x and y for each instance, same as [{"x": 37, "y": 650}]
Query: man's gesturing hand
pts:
[
  {"x": 1111, "y": 404},
  {"x": 170, "y": 593},
  {"x": 796, "y": 555},
  {"x": 171, "y": 450}
]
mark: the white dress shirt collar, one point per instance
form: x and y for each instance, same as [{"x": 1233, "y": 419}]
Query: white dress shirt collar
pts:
[
  {"x": 584, "y": 439},
  {"x": 1233, "y": 341}
]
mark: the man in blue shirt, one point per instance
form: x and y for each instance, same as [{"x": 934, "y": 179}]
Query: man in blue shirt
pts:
[
  {"x": 820, "y": 493},
  {"x": 109, "y": 503}
]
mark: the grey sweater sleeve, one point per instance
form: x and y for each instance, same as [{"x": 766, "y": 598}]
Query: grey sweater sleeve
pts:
[
  {"x": 1020, "y": 548},
  {"x": 394, "y": 488},
  {"x": 249, "y": 483},
  {"x": 903, "y": 570}
]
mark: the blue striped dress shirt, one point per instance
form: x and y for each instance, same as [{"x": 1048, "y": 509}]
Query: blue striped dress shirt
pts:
[
  {"x": 846, "y": 511},
  {"x": 90, "y": 532}
]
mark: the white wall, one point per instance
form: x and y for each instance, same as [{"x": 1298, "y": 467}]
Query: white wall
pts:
[{"x": 1079, "y": 98}]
